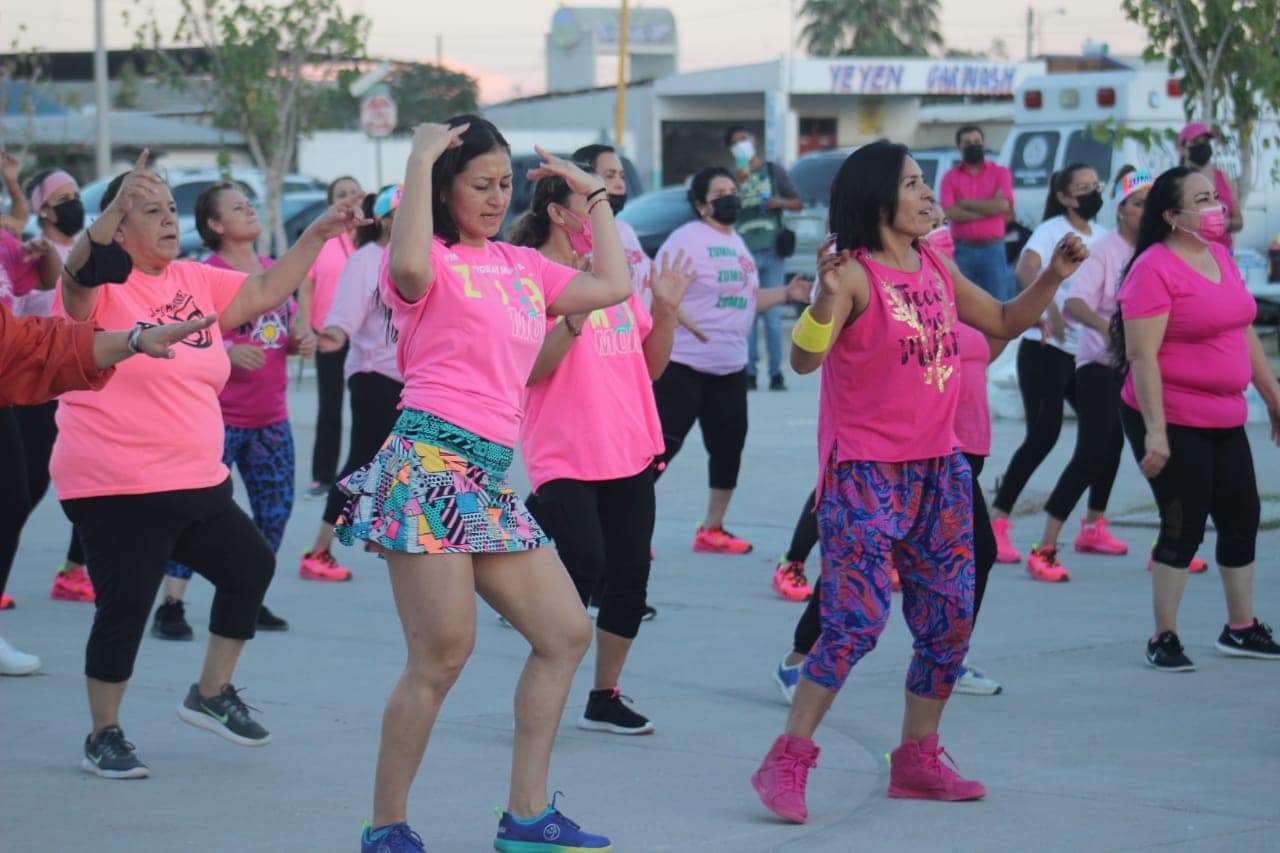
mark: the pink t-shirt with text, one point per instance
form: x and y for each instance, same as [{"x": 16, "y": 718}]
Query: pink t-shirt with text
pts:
[
  {"x": 356, "y": 312},
  {"x": 1095, "y": 283},
  {"x": 640, "y": 263},
  {"x": 258, "y": 398},
  {"x": 721, "y": 301},
  {"x": 157, "y": 425},
  {"x": 602, "y": 387},
  {"x": 973, "y": 415},
  {"x": 325, "y": 273},
  {"x": 467, "y": 347},
  {"x": 1204, "y": 358},
  {"x": 958, "y": 185}
]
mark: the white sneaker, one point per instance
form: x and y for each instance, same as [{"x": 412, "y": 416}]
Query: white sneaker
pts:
[
  {"x": 975, "y": 682},
  {"x": 787, "y": 677},
  {"x": 14, "y": 662}
]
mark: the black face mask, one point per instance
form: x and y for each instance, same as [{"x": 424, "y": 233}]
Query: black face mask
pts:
[
  {"x": 1088, "y": 205},
  {"x": 1200, "y": 154},
  {"x": 617, "y": 202},
  {"x": 725, "y": 209},
  {"x": 973, "y": 154},
  {"x": 69, "y": 216}
]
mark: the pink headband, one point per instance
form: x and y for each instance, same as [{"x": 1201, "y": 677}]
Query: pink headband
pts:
[{"x": 52, "y": 182}]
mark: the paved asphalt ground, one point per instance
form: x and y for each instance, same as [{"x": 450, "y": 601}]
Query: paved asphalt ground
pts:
[{"x": 1087, "y": 748}]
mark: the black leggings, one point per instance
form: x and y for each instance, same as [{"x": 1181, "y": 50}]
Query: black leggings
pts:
[
  {"x": 1046, "y": 377},
  {"x": 805, "y": 535},
  {"x": 1099, "y": 443},
  {"x": 984, "y": 557},
  {"x": 129, "y": 539},
  {"x": 324, "y": 455},
  {"x": 602, "y": 531},
  {"x": 374, "y": 402},
  {"x": 718, "y": 404},
  {"x": 1209, "y": 475}
]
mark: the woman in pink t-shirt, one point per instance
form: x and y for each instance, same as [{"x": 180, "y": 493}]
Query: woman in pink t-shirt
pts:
[
  {"x": 470, "y": 317},
  {"x": 255, "y": 413},
  {"x": 706, "y": 381},
  {"x": 894, "y": 487},
  {"x": 138, "y": 465},
  {"x": 1185, "y": 330},
  {"x": 593, "y": 485},
  {"x": 315, "y": 298}
]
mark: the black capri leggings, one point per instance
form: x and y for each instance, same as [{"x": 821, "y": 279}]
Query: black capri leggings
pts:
[
  {"x": 602, "y": 531},
  {"x": 1099, "y": 443},
  {"x": 128, "y": 539},
  {"x": 984, "y": 557},
  {"x": 1046, "y": 377},
  {"x": 718, "y": 404},
  {"x": 374, "y": 402},
  {"x": 1209, "y": 475},
  {"x": 324, "y": 455}
]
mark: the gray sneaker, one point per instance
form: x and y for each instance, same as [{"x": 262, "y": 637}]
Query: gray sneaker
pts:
[
  {"x": 110, "y": 756},
  {"x": 225, "y": 715}
]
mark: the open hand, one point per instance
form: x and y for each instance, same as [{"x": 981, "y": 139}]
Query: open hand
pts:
[
  {"x": 431, "y": 140},
  {"x": 246, "y": 357},
  {"x": 580, "y": 182},
  {"x": 156, "y": 341},
  {"x": 1274, "y": 414},
  {"x": 669, "y": 280},
  {"x": 1157, "y": 455},
  {"x": 800, "y": 289},
  {"x": 1068, "y": 255}
]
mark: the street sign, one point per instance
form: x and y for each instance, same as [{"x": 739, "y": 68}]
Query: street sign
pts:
[{"x": 378, "y": 115}]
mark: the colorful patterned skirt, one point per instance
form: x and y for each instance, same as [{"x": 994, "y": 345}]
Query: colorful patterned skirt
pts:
[{"x": 436, "y": 488}]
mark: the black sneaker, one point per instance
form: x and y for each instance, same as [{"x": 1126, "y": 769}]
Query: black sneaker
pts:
[
  {"x": 225, "y": 715},
  {"x": 751, "y": 382},
  {"x": 171, "y": 622},
  {"x": 606, "y": 712},
  {"x": 1253, "y": 642},
  {"x": 110, "y": 756},
  {"x": 268, "y": 621},
  {"x": 648, "y": 614},
  {"x": 1165, "y": 653},
  {"x": 776, "y": 383}
]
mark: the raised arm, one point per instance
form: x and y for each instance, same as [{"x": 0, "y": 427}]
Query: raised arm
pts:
[
  {"x": 265, "y": 290},
  {"x": 409, "y": 261},
  {"x": 1007, "y": 320},
  {"x": 18, "y": 209}
]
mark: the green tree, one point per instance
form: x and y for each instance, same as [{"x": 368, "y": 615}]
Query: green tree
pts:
[
  {"x": 871, "y": 27},
  {"x": 263, "y": 70},
  {"x": 128, "y": 91},
  {"x": 1225, "y": 53},
  {"x": 423, "y": 92}
]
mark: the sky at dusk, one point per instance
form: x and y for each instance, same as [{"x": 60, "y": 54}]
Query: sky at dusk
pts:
[{"x": 501, "y": 41}]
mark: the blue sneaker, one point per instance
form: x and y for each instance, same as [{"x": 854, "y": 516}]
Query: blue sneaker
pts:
[
  {"x": 549, "y": 832},
  {"x": 392, "y": 838},
  {"x": 787, "y": 677}
]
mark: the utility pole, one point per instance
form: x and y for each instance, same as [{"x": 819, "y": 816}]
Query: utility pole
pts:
[
  {"x": 1031, "y": 20},
  {"x": 620, "y": 106},
  {"x": 102, "y": 144},
  {"x": 439, "y": 49}
]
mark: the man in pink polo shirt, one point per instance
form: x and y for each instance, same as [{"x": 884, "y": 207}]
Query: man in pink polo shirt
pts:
[{"x": 977, "y": 196}]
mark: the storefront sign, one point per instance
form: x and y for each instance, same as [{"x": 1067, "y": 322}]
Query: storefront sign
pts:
[{"x": 908, "y": 77}]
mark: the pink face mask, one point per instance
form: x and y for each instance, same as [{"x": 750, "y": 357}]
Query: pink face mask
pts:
[
  {"x": 580, "y": 241},
  {"x": 940, "y": 239},
  {"x": 1213, "y": 224}
]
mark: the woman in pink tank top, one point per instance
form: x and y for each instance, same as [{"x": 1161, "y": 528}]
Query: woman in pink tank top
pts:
[{"x": 894, "y": 488}]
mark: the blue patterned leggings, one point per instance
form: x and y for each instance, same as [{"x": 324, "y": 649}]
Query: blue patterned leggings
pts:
[{"x": 264, "y": 456}]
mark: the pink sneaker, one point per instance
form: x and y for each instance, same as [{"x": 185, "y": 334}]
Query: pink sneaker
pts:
[
  {"x": 1005, "y": 552},
  {"x": 789, "y": 581},
  {"x": 72, "y": 585},
  {"x": 717, "y": 540},
  {"x": 1097, "y": 539},
  {"x": 895, "y": 580},
  {"x": 321, "y": 566},
  {"x": 782, "y": 777},
  {"x": 1197, "y": 567},
  {"x": 916, "y": 772},
  {"x": 7, "y": 602},
  {"x": 1043, "y": 565}
]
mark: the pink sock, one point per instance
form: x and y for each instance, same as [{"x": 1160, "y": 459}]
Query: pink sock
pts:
[{"x": 1243, "y": 626}]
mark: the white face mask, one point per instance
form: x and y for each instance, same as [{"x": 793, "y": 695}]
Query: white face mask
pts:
[{"x": 744, "y": 151}]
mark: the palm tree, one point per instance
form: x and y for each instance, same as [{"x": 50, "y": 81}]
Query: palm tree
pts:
[{"x": 870, "y": 27}]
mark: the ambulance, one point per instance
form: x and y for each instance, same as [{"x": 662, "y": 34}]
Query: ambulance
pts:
[{"x": 1056, "y": 122}]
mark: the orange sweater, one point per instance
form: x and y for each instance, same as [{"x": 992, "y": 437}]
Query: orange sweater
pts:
[{"x": 41, "y": 357}]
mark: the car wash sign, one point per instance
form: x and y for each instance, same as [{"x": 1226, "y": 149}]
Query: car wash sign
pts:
[{"x": 910, "y": 77}]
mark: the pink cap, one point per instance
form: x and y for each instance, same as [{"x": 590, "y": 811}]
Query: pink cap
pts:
[
  {"x": 52, "y": 182},
  {"x": 1192, "y": 130}
]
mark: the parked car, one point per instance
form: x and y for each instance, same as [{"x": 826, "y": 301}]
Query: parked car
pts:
[
  {"x": 655, "y": 215},
  {"x": 522, "y": 187},
  {"x": 812, "y": 175}
]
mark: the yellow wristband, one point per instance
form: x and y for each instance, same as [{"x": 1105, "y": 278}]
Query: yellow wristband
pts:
[{"x": 810, "y": 335}]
